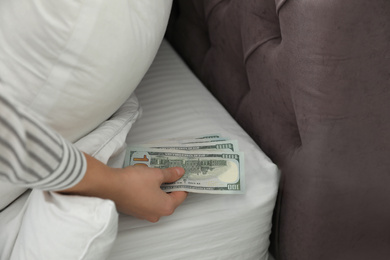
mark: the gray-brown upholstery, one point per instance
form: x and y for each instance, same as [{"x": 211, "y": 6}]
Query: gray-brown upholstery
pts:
[{"x": 309, "y": 80}]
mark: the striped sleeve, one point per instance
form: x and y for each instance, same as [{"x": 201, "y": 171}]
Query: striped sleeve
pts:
[{"x": 34, "y": 156}]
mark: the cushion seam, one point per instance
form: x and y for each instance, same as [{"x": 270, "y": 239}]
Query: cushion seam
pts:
[
  {"x": 279, "y": 6},
  {"x": 257, "y": 45}
]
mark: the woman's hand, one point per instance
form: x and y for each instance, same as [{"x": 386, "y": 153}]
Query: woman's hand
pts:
[
  {"x": 141, "y": 194},
  {"x": 135, "y": 189}
]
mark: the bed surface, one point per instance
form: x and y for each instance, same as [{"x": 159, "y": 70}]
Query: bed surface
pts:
[{"x": 205, "y": 226}]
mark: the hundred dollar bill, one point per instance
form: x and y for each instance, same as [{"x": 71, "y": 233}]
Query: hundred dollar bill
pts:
[
  {"x": 202, "y": 137},
  {"x": 191, "y": 139},
  {"x": 223, "y": 146},
  {"x": 216, "y": 172}
]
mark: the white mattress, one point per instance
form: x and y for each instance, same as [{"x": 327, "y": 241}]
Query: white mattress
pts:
[{"x": 205, "y": 226}]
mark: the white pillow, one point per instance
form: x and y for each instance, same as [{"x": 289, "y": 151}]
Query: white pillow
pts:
[
  {"x": 10, "y": 222},
  {"x": 8, "y": 193},
  {"x": 75, "y": 227},
  {"x": 108, "y": 140},
  {"x": 66, "y": 227},
  {"x": 73, "y": 63}
]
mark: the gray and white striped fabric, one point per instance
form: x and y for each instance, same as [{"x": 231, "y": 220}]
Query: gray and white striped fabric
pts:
[{"x": 34, "y": 156}]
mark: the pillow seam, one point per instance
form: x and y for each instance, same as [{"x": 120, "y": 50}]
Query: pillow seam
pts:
[
  {"x": 98, "y": 234},
  {"x": 60, "y": 57},
  {"x": 116, "y": 132}
]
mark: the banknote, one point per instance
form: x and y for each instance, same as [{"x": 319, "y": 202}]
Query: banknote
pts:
[
  {"x": 191, "y": 139},
  {"x": 197, "y": 137},
  {"x": 212, "y": 172},
  {"x": 223, "y": 146}
]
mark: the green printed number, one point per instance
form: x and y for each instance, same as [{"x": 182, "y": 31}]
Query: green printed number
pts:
[{"x": 233, "y": 186}]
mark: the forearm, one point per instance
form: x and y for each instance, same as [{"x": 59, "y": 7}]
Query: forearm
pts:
[
  {"x": 99, "y": 180},
  {"x": 34, "y": 156}
]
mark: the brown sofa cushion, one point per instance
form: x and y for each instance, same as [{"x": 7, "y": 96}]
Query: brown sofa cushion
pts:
[{"x": 310, "y": 82}]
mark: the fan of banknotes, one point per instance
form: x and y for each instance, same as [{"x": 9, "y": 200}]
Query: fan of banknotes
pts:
[{"x": 213, "y": 164}]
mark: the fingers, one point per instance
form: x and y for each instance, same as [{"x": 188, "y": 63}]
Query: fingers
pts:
[
  {"x": 172, "y": 201},
  {"x": 145, "y": 182},
  {"x": 167, "y": 206},
  {"x": 172, "y": 174},
  {"x": 178, "y": 197}
]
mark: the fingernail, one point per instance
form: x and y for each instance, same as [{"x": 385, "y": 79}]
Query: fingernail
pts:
[{"x": 180, "y": 171}]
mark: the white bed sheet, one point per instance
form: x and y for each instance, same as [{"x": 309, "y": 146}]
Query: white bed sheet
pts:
[{"x": 174, "y": 104}]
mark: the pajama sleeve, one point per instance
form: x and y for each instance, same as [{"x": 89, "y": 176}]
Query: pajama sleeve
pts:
[{"x": 34, "y": 156}]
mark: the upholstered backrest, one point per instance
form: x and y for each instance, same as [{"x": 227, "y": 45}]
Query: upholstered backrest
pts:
[{"x": 310, "y": 82}]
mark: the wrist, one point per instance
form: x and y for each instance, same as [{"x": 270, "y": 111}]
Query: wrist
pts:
[{"x": 98, "y": 180}]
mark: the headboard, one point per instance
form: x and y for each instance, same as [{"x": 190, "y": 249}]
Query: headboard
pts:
[{"x": 310, "y": 82}]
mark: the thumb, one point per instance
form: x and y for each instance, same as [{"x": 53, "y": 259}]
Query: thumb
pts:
[{"x": 172, "y": 174}]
